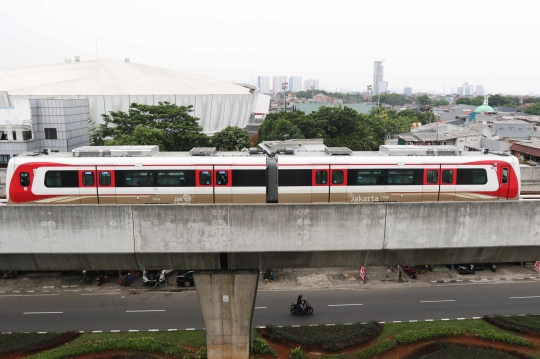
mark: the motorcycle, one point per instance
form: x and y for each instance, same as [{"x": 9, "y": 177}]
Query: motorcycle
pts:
[
  {"x": 100, "y": 279},
  {"x": 410, "y": 271},
  {"x": 296, "y": 310},
  {"x": 9, "y": 274}
]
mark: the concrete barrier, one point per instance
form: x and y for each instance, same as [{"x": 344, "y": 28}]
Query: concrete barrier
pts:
[{"x": 265, "y": 236}]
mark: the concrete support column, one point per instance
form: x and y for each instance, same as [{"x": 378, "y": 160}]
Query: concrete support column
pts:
[{"x": 227, "y": 300}]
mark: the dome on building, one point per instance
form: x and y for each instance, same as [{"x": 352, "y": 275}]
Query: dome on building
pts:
[
  {"x": 112, "y": 85},
  {"x": 483, "y": 108}
]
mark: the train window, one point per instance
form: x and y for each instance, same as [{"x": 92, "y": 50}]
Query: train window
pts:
[
  {"x": 62, "y": 179},
  {"x": 222, "y": 178},
  {"x": 400, "y": 177},
  {"x": 24, "y": 178},
  {"x": 504, "y": 175},
  {"x": 176, "y": 178},
  {"x": 134, "y": 178},
  {"x": 205, "y": 178},
  {"x": 249, "y": 178},
  {"x": 294, "y": 178},
  {"x": 471, "y": 176},
  {"x": 321, "y": 177},
  {"x": 447, "y": 176},
  {"x": 366, "y": 177},
  {"x": 105, "y": 178},
  {"x": 432, "y": 176},
  {"x": 337, "y": 177},
  {"x": 88, "y": 178}
]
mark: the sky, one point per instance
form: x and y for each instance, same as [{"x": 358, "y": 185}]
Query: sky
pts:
[{"x": 427, "y": 45}]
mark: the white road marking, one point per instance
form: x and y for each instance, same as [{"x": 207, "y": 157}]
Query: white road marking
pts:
[
  {"x": 532, "y": 296},
  {"x": 445, "y": 319},
  {"x": 97, "y": 331},
  {"x": 98, "y": 293},
  {"x": 460, "y": 318},
  {"x": 42, "y": 332},
  {"x": 174, "y": 330},
  {"x": 477, "y": 317},
  {"x": 153, "y": 330},
  {"x": 437, "y": 301},
  {"x": 190, "y": 328},
  {"x": 429, "y": 320},
  {"x": 144, "y": 311},
  {"x": 396, "y": 321},
  {"x": 413, "y": 321},
  {"x": 260, "y": 307},
  {"x": 341, "y": 305},
  {"x": 133, "y": 330},
  {"x": 115, "y": 331},
  {"x": 43, "y": 312},
  {"x": 27, "y": 295}
]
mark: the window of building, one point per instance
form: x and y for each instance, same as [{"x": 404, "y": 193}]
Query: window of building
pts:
[
  {"x": 222, "y": 178},
  {"x": 432, "y": 176},
  {"x": 61, "y": 179},
  {"x": 447, "y": 176},
  {"x": 471, "y": 176},
  {"x": 337, "y": 177},
  {"x": 50, "y": 134},
  {"x": 4, "y": 159},
  {"x": 27, "y": 135},
  {"x": 24, "y": 179},
  {"x": 14, "y": 133},
  {"x": 3, "y": 136},
  {"x": 105, "y": 178},
  {"x": 205, "y": 178},
  {"x": 321, "y": 177},
  {"x": 88, "y": 178}
]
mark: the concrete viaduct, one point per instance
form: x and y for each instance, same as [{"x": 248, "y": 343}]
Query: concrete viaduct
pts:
[{"x": 230, "y": 243}]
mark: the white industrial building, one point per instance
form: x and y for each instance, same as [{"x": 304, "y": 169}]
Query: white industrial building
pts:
[{"x": 111, "y": 85}]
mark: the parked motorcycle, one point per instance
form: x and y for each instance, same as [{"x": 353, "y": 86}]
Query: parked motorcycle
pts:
[
  {"x": 9, "y": 274},
  {"x": 410, "y": 271},
  {"x": 466, "y": 269},
  {"x": 296, "y": 310}
]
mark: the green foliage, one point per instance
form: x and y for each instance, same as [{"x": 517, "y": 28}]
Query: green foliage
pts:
[
  {"x": 202, "y": 354},
  {"x": 297, "y": 353},
  {"x": 26, "y": 341},
  {"x": 232, "y": 138},
  {"x": 423, "y": 100},
  {"x": 144, "y": 344},
  {"x": 334, "y": 337},
  {"x": 524, "y": 322},
  {"x": 441, "y": 102},
  {"x": 260, "y": 346},
  {"x": 531, "y": 100},
  {"x": 493, "y": 336},
  {"x": 392, "y": 99},
  {"x": 533, "y": 109},
  {"x": 412, "y": 336},
  {"x": 167, "y": 125},
  {"x": 473, "y": 101},
  {"x": 377, "y": 349},
  {"x": 457, "y": 351}
]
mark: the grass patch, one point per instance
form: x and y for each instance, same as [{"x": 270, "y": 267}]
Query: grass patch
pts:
[
  {"x": 445, "y": 350},
  {"x": 530, "y": 322}
]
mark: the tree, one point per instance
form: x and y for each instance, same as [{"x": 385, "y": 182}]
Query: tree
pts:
[
  {"x": 167, "y": 125},
  {"x": 393, "y": 99},
  {"x": 232, "y": 138},
  {"x": 441, "y": 102},
  {"x": 424, "y": 100},
  {"x": 533, "y": 109}
]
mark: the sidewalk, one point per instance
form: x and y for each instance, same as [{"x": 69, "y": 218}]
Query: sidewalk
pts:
[{"x": 286, "y": 279}]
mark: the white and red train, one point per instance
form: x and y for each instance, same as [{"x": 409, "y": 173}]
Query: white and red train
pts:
[{"x": 241, "y": 177}]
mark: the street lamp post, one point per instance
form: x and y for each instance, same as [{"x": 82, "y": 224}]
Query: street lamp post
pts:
[
  {"x": 285, "y": 87},
  {"x": 369, "y": 87},
  {"x": 312, "y": 88}
]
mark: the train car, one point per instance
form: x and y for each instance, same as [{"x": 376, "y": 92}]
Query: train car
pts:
[{"x": 203, "y": 176}]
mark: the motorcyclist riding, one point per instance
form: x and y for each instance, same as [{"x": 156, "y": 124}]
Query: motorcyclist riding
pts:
[{"x": 300, "y": 303}]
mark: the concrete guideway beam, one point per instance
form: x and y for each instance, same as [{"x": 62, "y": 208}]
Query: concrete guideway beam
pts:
[{"x": 227, "y": 300}]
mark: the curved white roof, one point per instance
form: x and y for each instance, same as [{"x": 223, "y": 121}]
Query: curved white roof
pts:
[{"x": 110, "y": 77}]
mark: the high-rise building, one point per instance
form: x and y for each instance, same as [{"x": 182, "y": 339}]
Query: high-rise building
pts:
[
  {"x": 277, "y": 82},
  {"x": 378, "y": 72},
  {"x": 460, "y": 91},
  {"x": 407, "y": 91},
  {"x": 382, "y": 86},
  {"x": 263, "y": 83},
  {"x": 295, "y": 83},
  {"x": 309, "y": 83},
  {"x": 479, "y": 90}
]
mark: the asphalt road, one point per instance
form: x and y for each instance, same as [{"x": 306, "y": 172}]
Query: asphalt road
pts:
[{"x": 168, "y": 311}]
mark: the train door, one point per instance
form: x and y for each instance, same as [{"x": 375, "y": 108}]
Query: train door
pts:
[
  {"x": 106, "y": 186},
  {"x": 447, "y": 180},
  {"x": 338, "y": 184},
  {"x": 204, "y": 185},
  {"x": 431, "y": 183},
  {"x": 504, "y": 181},
  {"x": 88, "y": 186},
  {"x": 320, "y": 187},
  {"x": 222, "y": 184}
]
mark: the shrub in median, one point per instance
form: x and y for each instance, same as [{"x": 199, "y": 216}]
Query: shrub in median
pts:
[
  {"x": 297, "y": 353},
  {"x": 412, "y": 336},
  {"x": 260, "y": 346},
  {"x": 331, "y": 338},
  {"x": 446, "y": 350},
  {"x": 376, "y": 349},
  {"x": 492, "y": 336},
  {"x": 32, "y": 342},
  {"x": 519, "y": 323},
  {"x": 132, "y": 344},
  {"x": 501, "y": 323}
]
